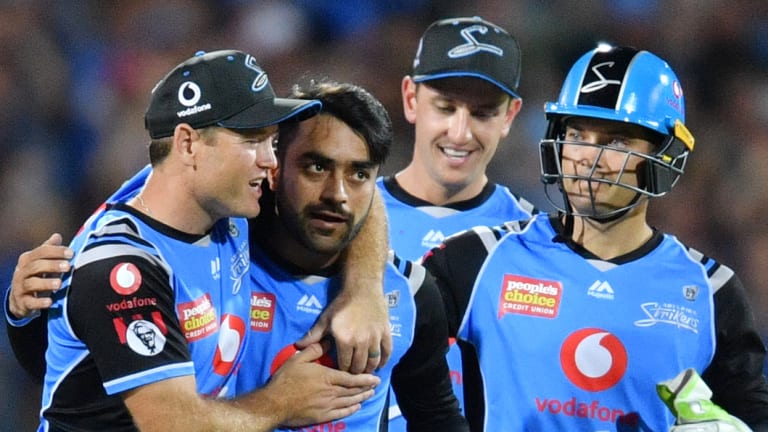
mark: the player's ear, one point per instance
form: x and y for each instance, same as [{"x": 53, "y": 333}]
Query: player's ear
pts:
[
  {"x": 185, "y": 140},
  {"x": 513, "y": 108},
  {"x": 408, "y": 90}
]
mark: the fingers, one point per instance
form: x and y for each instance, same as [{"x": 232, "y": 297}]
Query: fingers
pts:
[
  {"x": 374, "y": 359},
  {"x": 357, "y": 353},
  {"x": 36, "y": 275},
  {"x": 344, "y": 357},
  {"x": 351, "y": 382},
  {"x": 315, "y": 334},
  {"x": 363, "y": 355},
  {"x": 373, "y": 355},
  {"x": 378, "y": 357},
  {"x": 347, "y": 405},
  {"x": 30, "y": 294},
  {"x": 49, "y": 257},
  {"x": 386, "y": 348},
  {"x": 343, "y": 406},
  {"x": 309, "y": 353},
  {"x": 55, "y": 239},
  {"x": 314, "y": 393}
]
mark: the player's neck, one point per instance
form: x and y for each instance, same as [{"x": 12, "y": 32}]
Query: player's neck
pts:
[
  {"x": 615, "y": 238},
  {"x": 169, "y": 202},
  {"x": 292, "y": 254},
  {"x": 421, "y": 185}
]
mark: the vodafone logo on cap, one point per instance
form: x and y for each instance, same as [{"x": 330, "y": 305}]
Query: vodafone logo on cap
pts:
[
  {"x": 125, "y": 279},
  {"x": 189, "y": 94},
  {"x": 593, "y": 359}
]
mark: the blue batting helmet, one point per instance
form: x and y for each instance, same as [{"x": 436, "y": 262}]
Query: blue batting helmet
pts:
[{"x": 625, "y": 85}]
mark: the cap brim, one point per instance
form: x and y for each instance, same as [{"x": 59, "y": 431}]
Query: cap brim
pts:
[
  {"x": 464, "y": 74},
  {"x": 266, "y": 113}
]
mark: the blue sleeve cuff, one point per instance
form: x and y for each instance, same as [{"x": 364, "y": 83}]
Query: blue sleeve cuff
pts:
[{"x": 12, "y": 320}]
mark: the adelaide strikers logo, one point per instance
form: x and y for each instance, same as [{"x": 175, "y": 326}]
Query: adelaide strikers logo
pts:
[
  {"x": 593, "y": 359},
  {"x": 125, "y": 278}
]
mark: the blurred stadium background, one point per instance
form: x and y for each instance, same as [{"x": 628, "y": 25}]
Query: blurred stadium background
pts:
[{"x": 75, "y": 79}]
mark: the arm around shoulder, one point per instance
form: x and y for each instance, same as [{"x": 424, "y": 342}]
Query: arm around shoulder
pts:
[
  {"x": 26, "y": 301},
  {"x": 358, "y": 318}
]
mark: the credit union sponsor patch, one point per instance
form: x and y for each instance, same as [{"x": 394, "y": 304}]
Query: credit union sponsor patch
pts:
[
  {"x": 262, "y": 311},
  {"x": 528, "y": 296},
  {"x": 198, "y": 318}
]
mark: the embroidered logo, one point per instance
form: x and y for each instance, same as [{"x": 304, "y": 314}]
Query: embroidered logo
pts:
[
  {"x": 601, "y": 290},
  {"x": 261, "y": 79},
  {"x": 239, "y": 265},
  {"x": 667, "y": 313},
  {"x": 690, "y": 292},
  {"x": 189, "y": 95},
  {"x": 216, "y": 268},
  {"x": 393, "y": 298},
  {"x": 473, "y": 46},
  {"x": 396, "y": 329},
  {"x": 433, "y": 239},
  {"x": 309, "y": 304}
]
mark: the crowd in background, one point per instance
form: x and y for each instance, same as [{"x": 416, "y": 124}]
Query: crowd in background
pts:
[{"x": 75, "y": 79}]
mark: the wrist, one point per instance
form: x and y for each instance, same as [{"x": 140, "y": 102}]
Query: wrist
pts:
[{"x": 266, "y": 404}]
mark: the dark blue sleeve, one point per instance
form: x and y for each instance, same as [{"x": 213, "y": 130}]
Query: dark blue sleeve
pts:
[
  {"x": 736, "y": 372},
  {"x": 421, "y": 379},
  {"x": 28, "y": 340}
]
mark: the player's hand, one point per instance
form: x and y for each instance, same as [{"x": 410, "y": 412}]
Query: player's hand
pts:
[
  {"x": 313, "y": 393},
  {"x": 688, "y": 397},
  {"x": 37, "y": 274},
  {"x": 360, "y": 329}
]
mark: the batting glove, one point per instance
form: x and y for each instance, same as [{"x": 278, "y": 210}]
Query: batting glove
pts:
[{"x": 688, "y": 397}]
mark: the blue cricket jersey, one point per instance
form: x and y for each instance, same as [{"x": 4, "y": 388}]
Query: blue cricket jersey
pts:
[
  {"x": 416, "y": 226},
  {"x": 285, "y": 305},
  {"x": 569, "y": 342},
  {"x": 143, "y": 303}
]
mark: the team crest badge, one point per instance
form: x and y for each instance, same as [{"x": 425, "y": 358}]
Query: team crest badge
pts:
[
  {"x": 393, "y": 298},
  {"x": 690, "y": 292}
]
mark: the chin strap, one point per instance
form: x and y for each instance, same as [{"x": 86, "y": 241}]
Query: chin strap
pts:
[{"x": 689, "y": 399}]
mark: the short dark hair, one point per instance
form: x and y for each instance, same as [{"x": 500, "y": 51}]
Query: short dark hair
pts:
[{"x": 353, "y": 105}]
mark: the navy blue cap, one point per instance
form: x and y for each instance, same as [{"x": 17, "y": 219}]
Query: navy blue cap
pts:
[
  {"x": 222, "y": 88},
  {"x": 468, "y": 47}
]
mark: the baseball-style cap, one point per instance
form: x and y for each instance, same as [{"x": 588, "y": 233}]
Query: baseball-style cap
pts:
[
  {"x": 468, "y": 47},
  {"x": 223, "y": 88}
]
